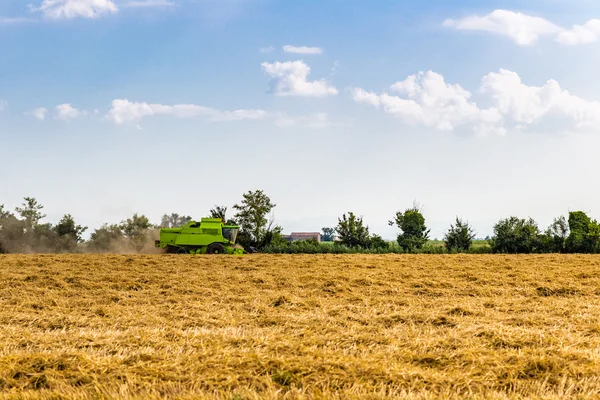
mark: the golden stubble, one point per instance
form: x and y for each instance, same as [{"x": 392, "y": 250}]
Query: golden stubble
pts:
[{"x": 303, "y": 326}]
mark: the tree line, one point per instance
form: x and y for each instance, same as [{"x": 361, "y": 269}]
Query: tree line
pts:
[{"x": 23, "y": 231}]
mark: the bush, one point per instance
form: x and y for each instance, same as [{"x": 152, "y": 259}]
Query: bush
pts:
[
  {"x": 414, "y": 234},
  {"x": 515, "y": 236},
  {"x": 459, "y": 237}
]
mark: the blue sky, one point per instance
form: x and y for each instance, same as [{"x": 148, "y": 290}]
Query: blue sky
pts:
[{"x": 476, "y": 109}]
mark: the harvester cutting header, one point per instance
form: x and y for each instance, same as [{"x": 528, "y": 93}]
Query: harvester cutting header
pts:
[{"x": 209, "y": 236}]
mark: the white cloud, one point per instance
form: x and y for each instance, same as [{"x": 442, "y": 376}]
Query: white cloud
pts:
[
  {"x": 125, "y": 111},
  {"x": 426, "y": 99},
  {"x": 15, "y": 20},
  {"x": 302, "y": 49},
  {"x": 312, "y": 121},
  {"x": 523, "y": 29},
  {"x": 148, "y": 3},
  {"x": 267, "y": 49},
  {"x": 38, "y": 113},
  {"x": 3, "y": 104},
  {"x": 67, "y": 111},
  {"x": 68, "y": 9},
  {"x": 581, "y": 34},
  {"x": 291, "y": 79},
  {"x": 546, "y": 108}
]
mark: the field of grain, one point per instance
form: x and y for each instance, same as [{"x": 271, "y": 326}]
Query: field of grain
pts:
[{"x": 320, "y": 326}]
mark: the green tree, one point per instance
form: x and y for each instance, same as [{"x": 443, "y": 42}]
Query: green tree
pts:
[
  {"x": 554, "y": 239},
  {"x": 459, "y": 237},
  {"x": 352, "y": 232},
  {"x": 251, "y": 216},
  {"x": 221, "y": 213},
  {"x": 413, "y": 232},
  {"x": 69, "y": 234},
  {"x": 328, "y": 234},
  {"x": 174, "y": 220},
  {"x": 106, "y": 238},
  {"x": 378, "y": 243},
  {"x": 136, "y": 227},
  {"x": 515, "y": 236},
  {"x": 584, "y": 236},
  {"x": 31, "y": 212},
  {"x": 12, "y": 231}
]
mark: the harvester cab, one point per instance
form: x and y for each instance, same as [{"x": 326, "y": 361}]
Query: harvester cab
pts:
[{"x": 209, "y": 236}]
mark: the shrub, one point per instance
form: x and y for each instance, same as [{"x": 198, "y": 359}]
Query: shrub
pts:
[{"x": 459, "y": 237}]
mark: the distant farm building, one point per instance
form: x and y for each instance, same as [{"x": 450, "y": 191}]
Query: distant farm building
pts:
[{"x": 296, "y": 236}]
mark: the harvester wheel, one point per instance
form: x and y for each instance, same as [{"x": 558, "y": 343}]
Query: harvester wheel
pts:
[
  {"x": 181, "y": 250},
  {"x": 215, "y": 248}
]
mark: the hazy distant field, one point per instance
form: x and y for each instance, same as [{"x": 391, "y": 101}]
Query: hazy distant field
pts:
[{"x": 257, "y": 326}]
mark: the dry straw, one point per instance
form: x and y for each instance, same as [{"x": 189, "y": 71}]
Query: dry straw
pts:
[{"x": 299, "y": 327}]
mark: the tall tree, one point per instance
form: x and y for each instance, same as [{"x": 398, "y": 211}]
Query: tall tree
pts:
[
  {"x": 67, "y": 227},
  {"x": 328, "y": 234},
  {"x": 219, "y": 212},
  {"x": 104, "y": 238},
  {"x": 252, "y": 215},
  {"x": 174, "y": 220},
  {"x": 459, "y": 237},
  {"x": 584, "y": 236},
  {"x": 413, "y": 232},
  {"x": 352, "y": 232},
  {"x": 31, "y": 212},
  {"x": 136, "y": 226},
  {"x": 11, "y": 232}
]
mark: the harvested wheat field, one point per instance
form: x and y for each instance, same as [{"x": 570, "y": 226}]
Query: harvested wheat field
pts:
[{"x": 307, "y": 326}]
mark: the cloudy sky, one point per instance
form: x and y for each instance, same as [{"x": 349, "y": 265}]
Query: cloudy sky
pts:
[{"x": 474, "y": 109}]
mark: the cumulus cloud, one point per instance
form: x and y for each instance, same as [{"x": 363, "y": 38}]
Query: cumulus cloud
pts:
[
  {"x": 148, "y": 3},
  {"x": 546, "y": 107},
  {"x": 581, "y": 34},
  {"x": 302, "y": 49},
  {"x": 426, "y": 99},
  {"x": 267, "y": 49},
  {"x": 125, "y": 111},
  {"x": 524, "y": 29},
  {"x": 38, "y": 113},
  {"x": 67, "y": 111},
  {"x": 68, "y": 9},
  {"x": 291, "y": 79}
]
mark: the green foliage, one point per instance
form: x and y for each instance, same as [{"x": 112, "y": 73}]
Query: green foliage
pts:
[
  {"x": 11, "y": 232},
  {"x": 584, "y": 234},
  {"x": 310, "y": 247},
  {"x": 103, "y": 238},
  {"x": 377, "y": 242},
  {"x": 69, "y": 234},
  {"x": 328, "y": 234},
  {"x": 515, "y": 236},
  {"x": 553, "y": 240},
  {"x": 221, "y": 213},
  {"x": 174, "y": 220},
  {"x": 413, "y": 232},
  {"x": 256, "y": 229},
  {"x": 352, "y": 232},
  {"x": 136, "y": 229},
  {"x": 459, "y": 237},
  {"x": 31, "y": 212}
]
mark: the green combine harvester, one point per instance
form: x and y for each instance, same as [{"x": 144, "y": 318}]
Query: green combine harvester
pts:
[{"x": 209, "y": 236}]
